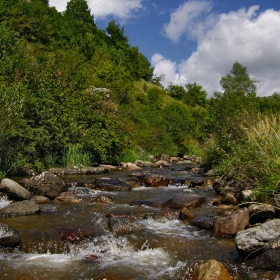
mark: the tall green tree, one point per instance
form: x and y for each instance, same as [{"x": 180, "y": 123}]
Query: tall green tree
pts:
[{"x": 236, "y": 103}]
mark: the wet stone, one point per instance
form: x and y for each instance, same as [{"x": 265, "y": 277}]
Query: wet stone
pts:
[
  {"x": 20, "y": 208},
  {"x": 269, "y": 260},
  {"x": 9, "y": 236},
  {"x": 181, "y": 201},
  {"x": 143, "y": 203},
  {"x": 111, "y": 185},
  {"x": 122, "y": 223},
  {"x": 203, "y": 222}
]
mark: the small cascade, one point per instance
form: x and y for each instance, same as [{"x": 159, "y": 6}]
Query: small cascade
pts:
[{"x": 4, "y": 201}]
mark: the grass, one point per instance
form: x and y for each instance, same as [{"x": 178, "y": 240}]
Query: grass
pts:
[
  {"x": 75, "y": 156},
  {"x": 254, "y": 159}
]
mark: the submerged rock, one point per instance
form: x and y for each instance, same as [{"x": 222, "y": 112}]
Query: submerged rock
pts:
[
  {"x": 122, "y": 223},
  {"x": 40, "y": 242},
  {"x": 9, "y": 236},
  {"x": 72, "y": 234}
]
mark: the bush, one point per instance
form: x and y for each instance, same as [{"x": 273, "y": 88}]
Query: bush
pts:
[{"x": 255, "y": 159}]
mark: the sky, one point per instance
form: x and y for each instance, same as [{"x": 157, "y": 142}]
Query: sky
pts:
[{"x": 198, "y": 41}]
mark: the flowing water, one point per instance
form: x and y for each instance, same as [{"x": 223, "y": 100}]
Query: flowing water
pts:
[{"x": 167, "y": 249}]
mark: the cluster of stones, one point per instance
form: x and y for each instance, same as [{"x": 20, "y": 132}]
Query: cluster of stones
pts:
[{"x": 254, "y": 226}]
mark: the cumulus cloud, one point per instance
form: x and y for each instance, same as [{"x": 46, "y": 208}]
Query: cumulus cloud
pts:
[
  {"x": 185, "y": 20},
  {"x": 246, "y": 36},
  {"x": 101, "y": 8}
]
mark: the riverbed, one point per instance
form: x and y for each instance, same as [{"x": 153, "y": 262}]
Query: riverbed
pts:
[{"x": 168, "y": 248}]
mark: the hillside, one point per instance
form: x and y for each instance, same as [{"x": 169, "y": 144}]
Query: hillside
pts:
[{"x": 73, "y": 94}]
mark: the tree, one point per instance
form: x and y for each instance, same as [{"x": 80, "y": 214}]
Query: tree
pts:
[
  {"x": 235, "y": 104},
  {"x": 176, "y": 91},
  {"x": 78, "y": 10},
  {"x": 195, "y": 95},
  {"x": 238, "y": 82},
  {"x": 116, "y": 35}
]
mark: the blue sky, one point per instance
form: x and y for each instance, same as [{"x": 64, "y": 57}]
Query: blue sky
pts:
[{"x": 199, "y": 40}]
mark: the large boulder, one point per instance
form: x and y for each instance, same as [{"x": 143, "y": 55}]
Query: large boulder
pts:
[
  {"x": 188, "y": 200},
  {"x": 211, "y": 270},
  {"x": 47, "y": 184},
  {"x": 269, "y": 260},
  {"x": 20, "y": 208},
  {"x": 230, "y": 225},
  {"x": 9, "y": 236},
  {"x": 258, "y": 239},
  {"x": 14, "y": 190}
]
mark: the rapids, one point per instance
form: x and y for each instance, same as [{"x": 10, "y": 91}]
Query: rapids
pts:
[{"x": 167, "y": 249}]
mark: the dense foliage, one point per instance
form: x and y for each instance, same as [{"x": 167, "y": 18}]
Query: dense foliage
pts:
[
  {"x": 51, "y": 64},
  {"x": 244, "y": 134},
  {"x": 73, "y": 94}
]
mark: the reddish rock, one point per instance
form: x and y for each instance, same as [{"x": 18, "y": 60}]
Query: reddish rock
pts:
[
  {"x": 91, "y": 257},
  {"x": 230, "y": 225},
  {"x": 155, "y": 180},
  {"x": 74, "y": 235},
  {"x": 188, "y": 200}
]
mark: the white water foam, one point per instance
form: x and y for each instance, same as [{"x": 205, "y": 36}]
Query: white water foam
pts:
[
  {"x": 174, "y": 228},
  {"x": 117, "y": 250},
  {"x": 4, "y": 201}
]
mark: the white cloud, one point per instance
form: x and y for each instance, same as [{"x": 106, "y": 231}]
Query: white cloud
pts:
[
  {"x": 244, "y": 36},
  {"x": 118, "y": 8},
  {"x": 185, "y": 20},
  {"x": 101, "y": 8},
  {"x": 60, "y": 5}
]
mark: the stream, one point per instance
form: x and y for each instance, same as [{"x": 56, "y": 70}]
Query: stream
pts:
[{"x": 167, "y": 249}]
